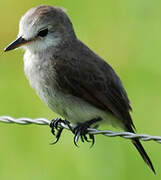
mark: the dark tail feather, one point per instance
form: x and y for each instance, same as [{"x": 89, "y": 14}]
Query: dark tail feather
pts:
[
  {"x": 141, "y": 150},
  {"x": 144, "y": 155}
]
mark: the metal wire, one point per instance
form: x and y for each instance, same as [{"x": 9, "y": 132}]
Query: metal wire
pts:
[{"x": 43, "y": 121}]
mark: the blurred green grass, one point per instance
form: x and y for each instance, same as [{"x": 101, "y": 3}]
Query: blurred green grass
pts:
[{"x": 125, "y": 33}]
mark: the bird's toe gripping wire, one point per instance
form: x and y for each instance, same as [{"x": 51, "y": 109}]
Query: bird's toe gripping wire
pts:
[
  {"x": 54, "y": 125},
  {"x": 81, "y": 131}
]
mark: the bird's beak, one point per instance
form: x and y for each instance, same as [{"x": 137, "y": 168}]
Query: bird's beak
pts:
[{"x": 15, "y": 44}]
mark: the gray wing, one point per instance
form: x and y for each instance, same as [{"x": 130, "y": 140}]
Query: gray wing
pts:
[{"x": 89, "y": 77}]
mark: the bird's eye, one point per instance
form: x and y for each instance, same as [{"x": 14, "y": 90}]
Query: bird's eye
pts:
[{"x": 43, "y": 32}]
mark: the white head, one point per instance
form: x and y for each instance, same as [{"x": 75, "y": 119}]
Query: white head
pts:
[{"x": 43, "y": 27}]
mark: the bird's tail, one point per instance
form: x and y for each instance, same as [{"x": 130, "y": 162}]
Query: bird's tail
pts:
[
  {"x": 143, "y": 154},
  {"x": 142, "y": 151}
]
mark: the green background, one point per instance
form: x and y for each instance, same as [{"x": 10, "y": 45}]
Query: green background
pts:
[{"x": 125, "y": 33}]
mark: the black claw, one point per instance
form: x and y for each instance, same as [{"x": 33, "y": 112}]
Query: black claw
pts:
[
  {"x": 58, "y": 135},
  {"x": 54, "y": 142},
  {"x": 81, "y": 131},
  {"x": 76, "y": 138},
  {"x": 54, "y": 125},
  {"x": 82, "y": 138},
  {"x": 85, "y": 138},
  {"x": 53, "y": 131},
  {"x": 91, "y": 136}
]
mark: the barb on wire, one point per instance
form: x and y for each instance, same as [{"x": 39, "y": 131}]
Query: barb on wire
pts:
[{"x": 43, "y": 121}]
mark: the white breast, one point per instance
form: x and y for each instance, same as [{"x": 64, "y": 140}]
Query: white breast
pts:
[{"x": 41, "y": 77}]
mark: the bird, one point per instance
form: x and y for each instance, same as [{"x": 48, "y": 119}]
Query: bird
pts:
[{"x": 70, "y": 78}]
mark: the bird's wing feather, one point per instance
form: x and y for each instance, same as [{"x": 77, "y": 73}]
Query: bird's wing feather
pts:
[
  {"x": 98, "y": 85},
  {"x": 90, "y": 78}
]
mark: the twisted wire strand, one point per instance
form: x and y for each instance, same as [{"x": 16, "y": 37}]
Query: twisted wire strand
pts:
[{"x": 44, "y": 121}]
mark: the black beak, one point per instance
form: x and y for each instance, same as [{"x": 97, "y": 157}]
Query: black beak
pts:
[{"x": 15, "y": 44}]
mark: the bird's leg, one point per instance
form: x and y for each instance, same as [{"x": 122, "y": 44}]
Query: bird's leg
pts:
[
  {"x": 54, "y": 125},
  {"x": 81, "y": 131}
]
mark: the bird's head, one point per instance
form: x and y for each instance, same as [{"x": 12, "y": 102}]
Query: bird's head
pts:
[{"x": 43, "y": 27}]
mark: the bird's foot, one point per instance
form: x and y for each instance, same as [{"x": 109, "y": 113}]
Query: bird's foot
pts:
[
  {"x": 81, "y": 131},
  {"x": 54, "y": 125}
]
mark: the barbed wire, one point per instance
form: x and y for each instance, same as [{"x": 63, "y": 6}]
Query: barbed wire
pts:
[{"x": 44, "y": 121}]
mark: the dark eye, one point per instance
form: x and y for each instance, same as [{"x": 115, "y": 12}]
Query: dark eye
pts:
[{"x": 43, "y": 33}]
